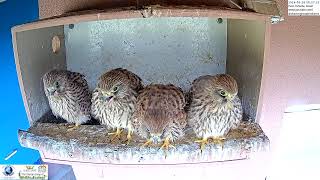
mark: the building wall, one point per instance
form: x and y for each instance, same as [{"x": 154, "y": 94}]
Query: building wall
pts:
[{"x": 293, "y": 69}]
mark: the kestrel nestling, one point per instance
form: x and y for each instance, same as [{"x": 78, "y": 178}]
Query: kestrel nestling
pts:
[
  {"x": 160, "y": 114},
  {"x": 215, "y": 107},
  {"x": 68, "y": 95},
  {"x": 113, "y": 100}
]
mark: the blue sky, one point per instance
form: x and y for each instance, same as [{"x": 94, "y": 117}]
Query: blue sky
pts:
[{"x": 13, "y": 116}]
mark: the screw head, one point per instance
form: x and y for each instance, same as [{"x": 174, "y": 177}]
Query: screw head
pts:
[
  {"x": 71, "y": 26},
  {"x": 219, "y": 20}
]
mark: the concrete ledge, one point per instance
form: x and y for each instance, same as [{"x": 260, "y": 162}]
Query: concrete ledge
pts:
[{"x": 90, "y": 143}]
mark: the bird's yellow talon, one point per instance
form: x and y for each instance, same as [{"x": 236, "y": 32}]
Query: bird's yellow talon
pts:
[
  {"x": 147, "y": 143},
  {"x": 129, "y": 137},
  {"x": 73, "y": 127},
  {"x": 116, "y": 134},
  {"x": 166, "y": 144},
  {"x": 203, "y": 142}
]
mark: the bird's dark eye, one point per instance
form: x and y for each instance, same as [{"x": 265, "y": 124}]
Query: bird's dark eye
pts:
[
  {"x": 223, "y": 93},
  {"x": 56, "y": 84},
  {"x": 147, "y": 128},
  {"x": 115, "y": 89}
]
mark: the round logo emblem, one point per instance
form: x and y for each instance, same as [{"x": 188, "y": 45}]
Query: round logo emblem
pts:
[{"x": 8, "y": 171}]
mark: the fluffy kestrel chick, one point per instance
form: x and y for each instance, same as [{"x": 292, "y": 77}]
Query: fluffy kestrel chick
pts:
[
  {"x": 68, "y": 95},
  {"x": 215, "y": 107},
  {"x": 113, "y": 100},
  {"x": 160, "y": 114}
]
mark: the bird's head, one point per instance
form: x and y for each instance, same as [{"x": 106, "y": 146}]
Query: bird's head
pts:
[
  {"x": 116, "y": 84},
  {"x": 225, "y": 89},
  {"x": 113, "y": 91},
  {"x": 222, "y": 89},
  {"x": 54, "y": 82},
  {"x": 112, "y": 88}
]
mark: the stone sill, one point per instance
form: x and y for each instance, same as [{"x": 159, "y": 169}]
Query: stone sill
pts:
[{"x": 90, "y": 144}]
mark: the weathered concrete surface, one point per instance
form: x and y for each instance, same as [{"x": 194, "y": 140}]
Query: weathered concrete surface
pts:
[{"x": 90, "y": 143}]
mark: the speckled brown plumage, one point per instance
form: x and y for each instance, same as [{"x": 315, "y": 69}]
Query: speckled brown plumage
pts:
[
  {"x": 160, "y": 113},
  {"x": 114, "y": 97},
  {"x": 68, "y": 95},
  {"x": 215, "y": 107}
]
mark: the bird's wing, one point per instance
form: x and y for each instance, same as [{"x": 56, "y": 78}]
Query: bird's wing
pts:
[
  {"x": 137, "y": 124},
  {"x": 78, "y": 78},
  {"x": 181, "y": 119},
  {"x": 85, "y": 104},
  {"x": 237, "y": 112}
]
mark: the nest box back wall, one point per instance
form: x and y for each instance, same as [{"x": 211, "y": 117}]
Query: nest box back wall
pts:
[
  {"x": 246, "y": 46},
  {"x": 159, "y": 50},
  {"x": 35, "y": 58}
]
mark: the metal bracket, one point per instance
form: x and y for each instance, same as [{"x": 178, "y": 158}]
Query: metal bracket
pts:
[{"x": 276, "y": 19}]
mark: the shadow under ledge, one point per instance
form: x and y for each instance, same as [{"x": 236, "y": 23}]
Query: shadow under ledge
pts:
[{"x": 90, "y": 143}]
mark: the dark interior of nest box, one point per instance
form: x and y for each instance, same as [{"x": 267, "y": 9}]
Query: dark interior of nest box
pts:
[{"x": 160, "y": 50}]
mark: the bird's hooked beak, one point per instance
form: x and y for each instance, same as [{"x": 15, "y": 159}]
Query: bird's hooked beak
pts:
[
  {"x": 229, "y": 98},
  {"x": 51, "y": 90},
  {"x": 107, "y": 96},
  {"x": 155, "y": 138},
  {"x": 229, "y": 105}
]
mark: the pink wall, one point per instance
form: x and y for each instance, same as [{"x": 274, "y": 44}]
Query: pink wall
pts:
[{"x": 293, "y": 68}]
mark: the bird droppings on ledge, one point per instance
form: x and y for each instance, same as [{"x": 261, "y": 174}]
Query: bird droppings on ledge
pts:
[{"x": 91, "y": 143}]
